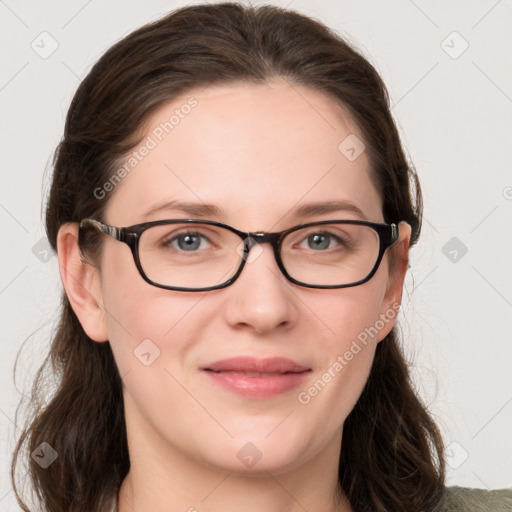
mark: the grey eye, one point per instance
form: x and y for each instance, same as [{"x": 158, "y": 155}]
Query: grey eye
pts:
[
  {"x": 188, "y": 242},
  {"x": 319, "y": 241}
]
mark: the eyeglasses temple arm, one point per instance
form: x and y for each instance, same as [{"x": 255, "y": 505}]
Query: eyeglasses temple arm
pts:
[
  {"x": 394, "y": 233},
  {"x": 116, "y": 233}
]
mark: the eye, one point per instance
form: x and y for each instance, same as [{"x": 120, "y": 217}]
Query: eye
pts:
[
  {"x": 322, "y": 240},
  {"x": 189, "y": 241}
]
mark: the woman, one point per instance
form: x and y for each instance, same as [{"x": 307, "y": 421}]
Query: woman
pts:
[{"x": 200, "y": 368}]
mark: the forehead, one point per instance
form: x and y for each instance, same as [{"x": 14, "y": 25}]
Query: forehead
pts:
[{"x": 256, "y": 151}]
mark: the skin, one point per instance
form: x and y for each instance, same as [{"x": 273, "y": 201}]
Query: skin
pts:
[{"x": 256, "y": 151}]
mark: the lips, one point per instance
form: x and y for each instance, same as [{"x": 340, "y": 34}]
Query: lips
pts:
[
  {"x": 257, "y": 378},
  {"x": 274, "y": 365}
]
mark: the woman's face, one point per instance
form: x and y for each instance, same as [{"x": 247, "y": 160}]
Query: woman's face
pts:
[{"x": 256, "y": 152}]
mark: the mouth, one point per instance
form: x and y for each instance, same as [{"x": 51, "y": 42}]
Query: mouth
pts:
[
  {"x": 251, "y": 374},
  {"x": 257, "y": 378}
]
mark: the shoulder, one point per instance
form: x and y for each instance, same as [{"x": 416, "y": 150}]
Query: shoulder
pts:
[{"x": 463, "y": 499}]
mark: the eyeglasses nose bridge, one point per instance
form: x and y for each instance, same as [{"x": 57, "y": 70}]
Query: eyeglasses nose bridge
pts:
[{"x": 253, "y": 239}]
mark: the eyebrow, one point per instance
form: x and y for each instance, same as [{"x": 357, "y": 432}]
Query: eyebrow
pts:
[
  {"x": 321, "y": 208},
  {"x": 305, "y": 210}
]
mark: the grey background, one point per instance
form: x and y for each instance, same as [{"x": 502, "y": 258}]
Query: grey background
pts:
[{"x": 454, "y": 108}]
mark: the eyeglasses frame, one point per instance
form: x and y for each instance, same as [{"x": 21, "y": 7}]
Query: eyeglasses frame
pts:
[{"x": 388, "y": 234}]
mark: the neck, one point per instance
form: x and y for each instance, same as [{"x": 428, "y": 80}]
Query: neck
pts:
[
  {"x": 162, "y": 477},
  {"x": 219, "y": 491}
]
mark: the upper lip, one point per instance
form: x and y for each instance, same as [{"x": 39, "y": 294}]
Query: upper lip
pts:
[{"x": 252, "y": 364}]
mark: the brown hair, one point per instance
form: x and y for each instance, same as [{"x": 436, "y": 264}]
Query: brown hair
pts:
[{"x": 392, "y": 452}]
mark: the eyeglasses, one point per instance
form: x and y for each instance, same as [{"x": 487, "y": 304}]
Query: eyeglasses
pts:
[{"x": 202, "y": 255}]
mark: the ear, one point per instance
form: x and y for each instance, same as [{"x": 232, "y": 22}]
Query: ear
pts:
[
  {"x": 397, "y": 270},
  {"x": 81, "y": 281}
]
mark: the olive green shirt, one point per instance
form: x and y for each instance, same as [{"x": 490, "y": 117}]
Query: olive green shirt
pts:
[{"x": 462, "y": 499}]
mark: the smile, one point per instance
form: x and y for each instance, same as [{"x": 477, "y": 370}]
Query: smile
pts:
[{"x": 257, "y": 378}]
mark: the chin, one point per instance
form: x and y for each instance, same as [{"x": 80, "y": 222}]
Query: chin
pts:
[{"x": 258, "y": 452}]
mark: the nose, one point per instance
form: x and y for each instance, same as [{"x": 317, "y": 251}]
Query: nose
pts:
[{"x": 261, "y": 299}]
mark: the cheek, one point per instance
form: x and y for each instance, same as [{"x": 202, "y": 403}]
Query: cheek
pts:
[
  {"x": 352, "y": 314},
  {"x": 354, "y": 327},
  {"x": 151, "y": 333},
  {"x": 149, "y": 322},
  {"x": 142, "y": 319}
]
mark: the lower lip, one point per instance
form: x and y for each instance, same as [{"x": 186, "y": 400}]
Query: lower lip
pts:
[{"x": 258, "y": 387}]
